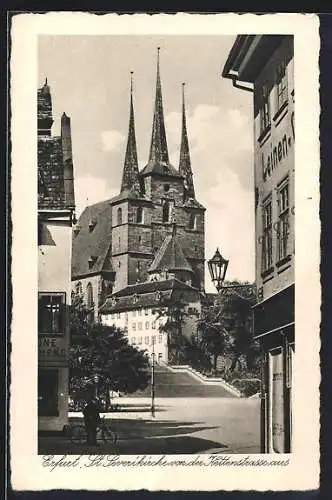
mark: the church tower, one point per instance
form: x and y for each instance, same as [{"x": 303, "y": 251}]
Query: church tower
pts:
[{"x": 152, "y": 201}]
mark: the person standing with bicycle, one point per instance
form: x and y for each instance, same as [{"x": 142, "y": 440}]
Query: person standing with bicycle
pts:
[{"x": 91, "y": 420}]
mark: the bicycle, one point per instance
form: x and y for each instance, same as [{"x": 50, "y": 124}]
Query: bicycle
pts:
[{"x": 78, "y": 434}]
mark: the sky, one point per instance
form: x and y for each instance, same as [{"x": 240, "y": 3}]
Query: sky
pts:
[{"x": 89, "y": 77}]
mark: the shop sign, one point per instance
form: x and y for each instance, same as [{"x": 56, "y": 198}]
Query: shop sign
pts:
[{"x": 277, "y": 150}]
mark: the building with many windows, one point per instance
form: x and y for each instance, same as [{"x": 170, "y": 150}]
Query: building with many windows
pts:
[
  {"x": 151, "y": 234},
  {"x": 264, "y": 65},
  {"x": 56, "y": 206}
]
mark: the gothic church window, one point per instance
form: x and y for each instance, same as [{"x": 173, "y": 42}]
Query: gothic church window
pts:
[
  {"x": 167, "y": 210},
  {"x": 89, "y": 300},
  {"x": 119, "y": 216},
  {"x": 193, "y": 221}
]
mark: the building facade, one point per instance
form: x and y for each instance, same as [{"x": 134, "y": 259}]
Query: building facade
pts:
[
  {"x": 56, "y": 207},
  {"x": 264, "y": 64},
  {"x": 142, "y": 310},
  {"x": 117, "y": 243}
]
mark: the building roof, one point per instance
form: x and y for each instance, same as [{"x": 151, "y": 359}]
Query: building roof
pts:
[
  {"x": 147, "y": 294},
  {"x": 159, "y": 168},
  {"x": 185, "y": 162},
  {"x": 193, "y": 203},
  {"x": 51, "y": 190},
  {"x": 55, "y": 168},
  {"x": 249, "y": 55},
  {"x": 93, "y": 242},
  {"x": 170, "y": 256},
  {"x": 130, "y": 169}
]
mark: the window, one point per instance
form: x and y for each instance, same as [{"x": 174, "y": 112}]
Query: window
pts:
[
  {"x": 166, "y": 188},
  {"x": 119, "y": 216},
  {"x": 153, "y": 339},
  {"x": 139, "y": 215},
  {"x": 160, "y": 339},
  {"x": 140, "y": 339},
  {"x": 118, "y": 315},
  {"x": 89, "y": 300},
  {"x": 139, "y": 240},
  {"x": 281, "y": 84},
  {"x": 140, "y": 312},
  {"x": 167, "y": 210},
  {"x": 160, "y": 356},
  {"x": 267, "y": 236},
  {"x": 146, "y": 312},
  {"x": 140, "y": 326},
  {"x": 133, "y": 313},
  {"x": 264, "y": 109},
  {"x": 134, "y": 326},
  {"x": 48, "y": 392},
  {"x": 51, "y": 313},
  {"x": 147, "y": 340},
  {"x": 147, "y": 325},
  {"x": 153, "y": 325},
  {"x": 193, "y": 221},
  {"x": 283, "y": 222},
  {"x": 133, "y": 340}
]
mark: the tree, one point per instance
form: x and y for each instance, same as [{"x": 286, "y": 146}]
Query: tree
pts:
[
  {"x": 225, "y": 328},
  {"x": 101, "y": 360}
]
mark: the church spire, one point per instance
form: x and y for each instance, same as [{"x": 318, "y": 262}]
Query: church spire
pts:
[
  {"x": 158, "y": 148},
  {"x": 130, "y": 170},
  {"x": 185, "y": 163}
]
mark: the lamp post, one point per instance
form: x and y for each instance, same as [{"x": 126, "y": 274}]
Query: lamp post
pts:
[
  {"x": 152, "y": 381},
  {"x": 217, "y": 268}
]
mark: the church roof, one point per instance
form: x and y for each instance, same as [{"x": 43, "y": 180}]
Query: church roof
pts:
[
  {"x": 170, "y": 256},
  {"x": 156, "y": 167},
  {"x": 185, "y": 162},
  {"x": 148, "y": 294},
  {"x": 92, "y": 244},
  {"x": 193, "y": 203}
]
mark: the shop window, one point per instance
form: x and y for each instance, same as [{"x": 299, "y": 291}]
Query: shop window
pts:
[
  {"x": 264, "y": 109},
  {"x": 139, "y": 215},
  {"x": 119, "y": 216},
  {"x": 48, "y": 392},
  {"x": 283, "y": 221},
  {"x": 267, "y": 236},
  {"x": 281, "y": 84},
  {"x": 51, "y": 313}
]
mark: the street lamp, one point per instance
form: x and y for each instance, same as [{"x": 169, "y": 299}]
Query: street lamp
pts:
[
  {"x": 217, "y": 268},
  {"x": 152, "y": 381}
]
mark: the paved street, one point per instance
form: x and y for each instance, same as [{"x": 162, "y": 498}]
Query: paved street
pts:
[{"x": 180, "y": 426}]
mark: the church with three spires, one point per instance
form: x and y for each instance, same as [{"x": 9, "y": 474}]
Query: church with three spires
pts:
[{"x": 144, "y": 248}]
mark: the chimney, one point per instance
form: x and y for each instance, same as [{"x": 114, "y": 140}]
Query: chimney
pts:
[{"x": 67, "y": 161}]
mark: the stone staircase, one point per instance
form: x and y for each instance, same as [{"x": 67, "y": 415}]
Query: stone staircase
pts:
[{"x": 183, "y": 381}]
